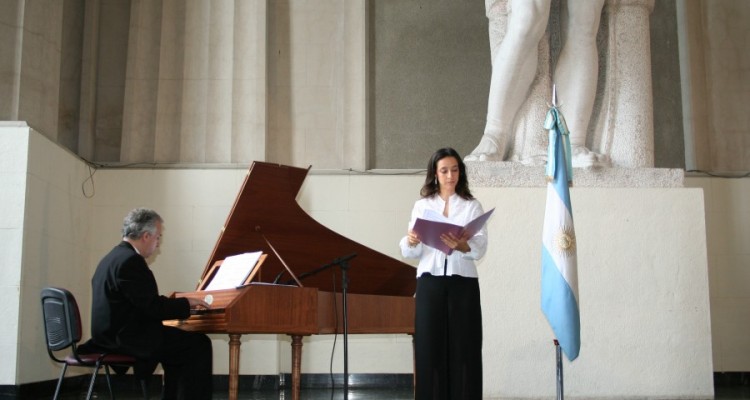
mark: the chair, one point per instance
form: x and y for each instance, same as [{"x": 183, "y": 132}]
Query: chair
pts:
[{"x": 62, "y": 330}]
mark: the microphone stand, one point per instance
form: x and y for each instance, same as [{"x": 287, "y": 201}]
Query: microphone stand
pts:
[{"x": 344, "y": 265}]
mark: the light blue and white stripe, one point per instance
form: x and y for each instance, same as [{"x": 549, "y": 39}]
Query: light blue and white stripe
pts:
[{"x": 559, "y": 260}]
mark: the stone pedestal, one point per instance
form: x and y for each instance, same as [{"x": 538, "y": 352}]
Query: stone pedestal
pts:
[
  {"x": 510, "y": 174},
  {"x": 643, "y": 296}
]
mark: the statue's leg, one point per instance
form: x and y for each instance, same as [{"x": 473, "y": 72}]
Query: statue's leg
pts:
[
  {"x": 513, "y": 70},
  {"x": 576, "y": 76}
]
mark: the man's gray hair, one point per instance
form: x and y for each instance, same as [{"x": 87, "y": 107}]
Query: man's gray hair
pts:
[{"x": 140, "y": 221}]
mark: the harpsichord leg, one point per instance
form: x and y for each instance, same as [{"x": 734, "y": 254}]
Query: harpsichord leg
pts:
[
  {"x": 234, "y": 365},
  {"x": 296, "y": 365}
]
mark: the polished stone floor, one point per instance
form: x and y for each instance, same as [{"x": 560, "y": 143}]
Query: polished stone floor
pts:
[
  {"x": 268, "y": 394},
  {"x": 730, "y": 392},
  {"x": 727, "y": 386}
]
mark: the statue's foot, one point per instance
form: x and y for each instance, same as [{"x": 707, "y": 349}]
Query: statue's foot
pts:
[
  {"x": 534, "y": 161},
  {"x": 585, "y": 158},
  {"x": 490, "y": 148}
]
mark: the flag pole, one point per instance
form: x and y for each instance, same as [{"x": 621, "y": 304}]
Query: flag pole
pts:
[
  {"x": 559, "y": 274},
  {"x": 554, "y": 95},
  {"x": 559, "y": 371},
  {"x": 558, "y": 352}
]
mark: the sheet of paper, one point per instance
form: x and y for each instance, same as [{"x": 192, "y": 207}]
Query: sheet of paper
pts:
[
  {"x": 233, "y": 271},
  {"x": 432, "y": 215},
  {"x": 433, "y": 225}
]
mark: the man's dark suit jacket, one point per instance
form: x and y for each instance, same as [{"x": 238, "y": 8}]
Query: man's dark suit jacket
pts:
[{"x": 127, "y": 310}]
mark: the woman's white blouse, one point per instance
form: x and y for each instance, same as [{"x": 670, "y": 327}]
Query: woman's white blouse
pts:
[{"x": 461, "y": 212}]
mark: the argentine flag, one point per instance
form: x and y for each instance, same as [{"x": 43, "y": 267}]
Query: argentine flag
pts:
[{"x": 559, "y": 261}]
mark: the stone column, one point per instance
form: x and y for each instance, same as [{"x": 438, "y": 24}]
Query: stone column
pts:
[
  {"x": 249, "y": 82},
  {"x": 171, "y": 63},
  {"x": 628, "y": 129},
  {"x": 139, "y": 114},
  {"x": 218, "y": 128},
  {"x": 354, "y": 86},
  {"x": 11, "y": 39},
  {"x": 195, "y": 83}
]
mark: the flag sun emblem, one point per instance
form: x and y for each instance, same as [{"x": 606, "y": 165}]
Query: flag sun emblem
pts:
[{"x": 566, "y": 241}]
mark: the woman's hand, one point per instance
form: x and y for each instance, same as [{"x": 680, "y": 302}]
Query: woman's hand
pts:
[
  {"x": 413, "y": 238},
  {"x": 456, "y": 243}
]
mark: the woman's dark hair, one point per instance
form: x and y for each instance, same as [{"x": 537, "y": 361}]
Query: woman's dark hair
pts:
[{"x": 431, "y": 186}]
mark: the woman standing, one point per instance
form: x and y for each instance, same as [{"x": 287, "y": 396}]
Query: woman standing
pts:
[{"x": 448, "y": 325}]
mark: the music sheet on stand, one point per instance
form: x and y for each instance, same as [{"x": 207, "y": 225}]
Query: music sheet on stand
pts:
[{"x": 234, "y": 270}]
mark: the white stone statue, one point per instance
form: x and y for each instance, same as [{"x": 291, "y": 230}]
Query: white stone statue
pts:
[
  {"x": 514, "y": 67},
  {"x": 521, "y": 83}
]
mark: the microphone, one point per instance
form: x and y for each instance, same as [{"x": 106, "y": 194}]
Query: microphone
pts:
[
  {"x": 344, "y": 259},
  {"x": 339, "y": 261}
]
